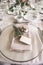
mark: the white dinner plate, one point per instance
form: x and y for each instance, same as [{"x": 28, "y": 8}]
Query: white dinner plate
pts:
[{"x": 13, "y": 55}]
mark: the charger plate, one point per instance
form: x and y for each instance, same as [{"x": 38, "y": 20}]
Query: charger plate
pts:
[{"x": 13, "y": 56}]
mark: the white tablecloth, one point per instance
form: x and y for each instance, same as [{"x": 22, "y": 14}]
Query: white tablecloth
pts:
[{"x": 37, "y": 43}]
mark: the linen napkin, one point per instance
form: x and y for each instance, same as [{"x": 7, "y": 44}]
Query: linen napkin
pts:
[
  {"x": 22, "y": 44},
  {"x": 19, "y": 46}
]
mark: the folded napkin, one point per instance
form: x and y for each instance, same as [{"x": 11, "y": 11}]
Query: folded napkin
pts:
[{"x": 19, "y": 46}]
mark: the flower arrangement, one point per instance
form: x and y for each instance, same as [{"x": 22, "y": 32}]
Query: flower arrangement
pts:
[
  {"x": 21, "y": 2},
  {"x": 19, "y": 6},
  {"x": 17, "y": 3}
]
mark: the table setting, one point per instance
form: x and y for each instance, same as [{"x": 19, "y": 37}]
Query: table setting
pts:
[{"x": 21, "y": 31}]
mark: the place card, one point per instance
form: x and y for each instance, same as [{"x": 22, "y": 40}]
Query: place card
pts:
[{"x": 25, "y": 40}]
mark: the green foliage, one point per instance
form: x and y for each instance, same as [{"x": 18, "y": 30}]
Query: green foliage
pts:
[
  {"x": 19, "y": 31},
  {"x": 19, "y": 2},
  {"x": 11, "y": 9},
  {"x": 22, "y": 3}
]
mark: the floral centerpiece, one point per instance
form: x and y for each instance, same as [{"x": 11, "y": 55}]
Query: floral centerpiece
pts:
[
  {"x": 21, "y": 2},
  {"x": 20, "y": 6}
]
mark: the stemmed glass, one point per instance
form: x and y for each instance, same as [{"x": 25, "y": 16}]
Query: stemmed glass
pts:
[
  {"x": 1, "y": 12},
  {"x": 4, "y": 5}
]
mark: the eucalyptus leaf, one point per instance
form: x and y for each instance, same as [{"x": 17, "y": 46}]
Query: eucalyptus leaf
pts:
[
  {"x": 19, "y": 31},
  {"x": 11, "y": 9}
]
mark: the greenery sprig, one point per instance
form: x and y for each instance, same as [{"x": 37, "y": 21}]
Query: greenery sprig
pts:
[
  {"x": 19, "y": 31},
  {"x": 18, "y": 2}
]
